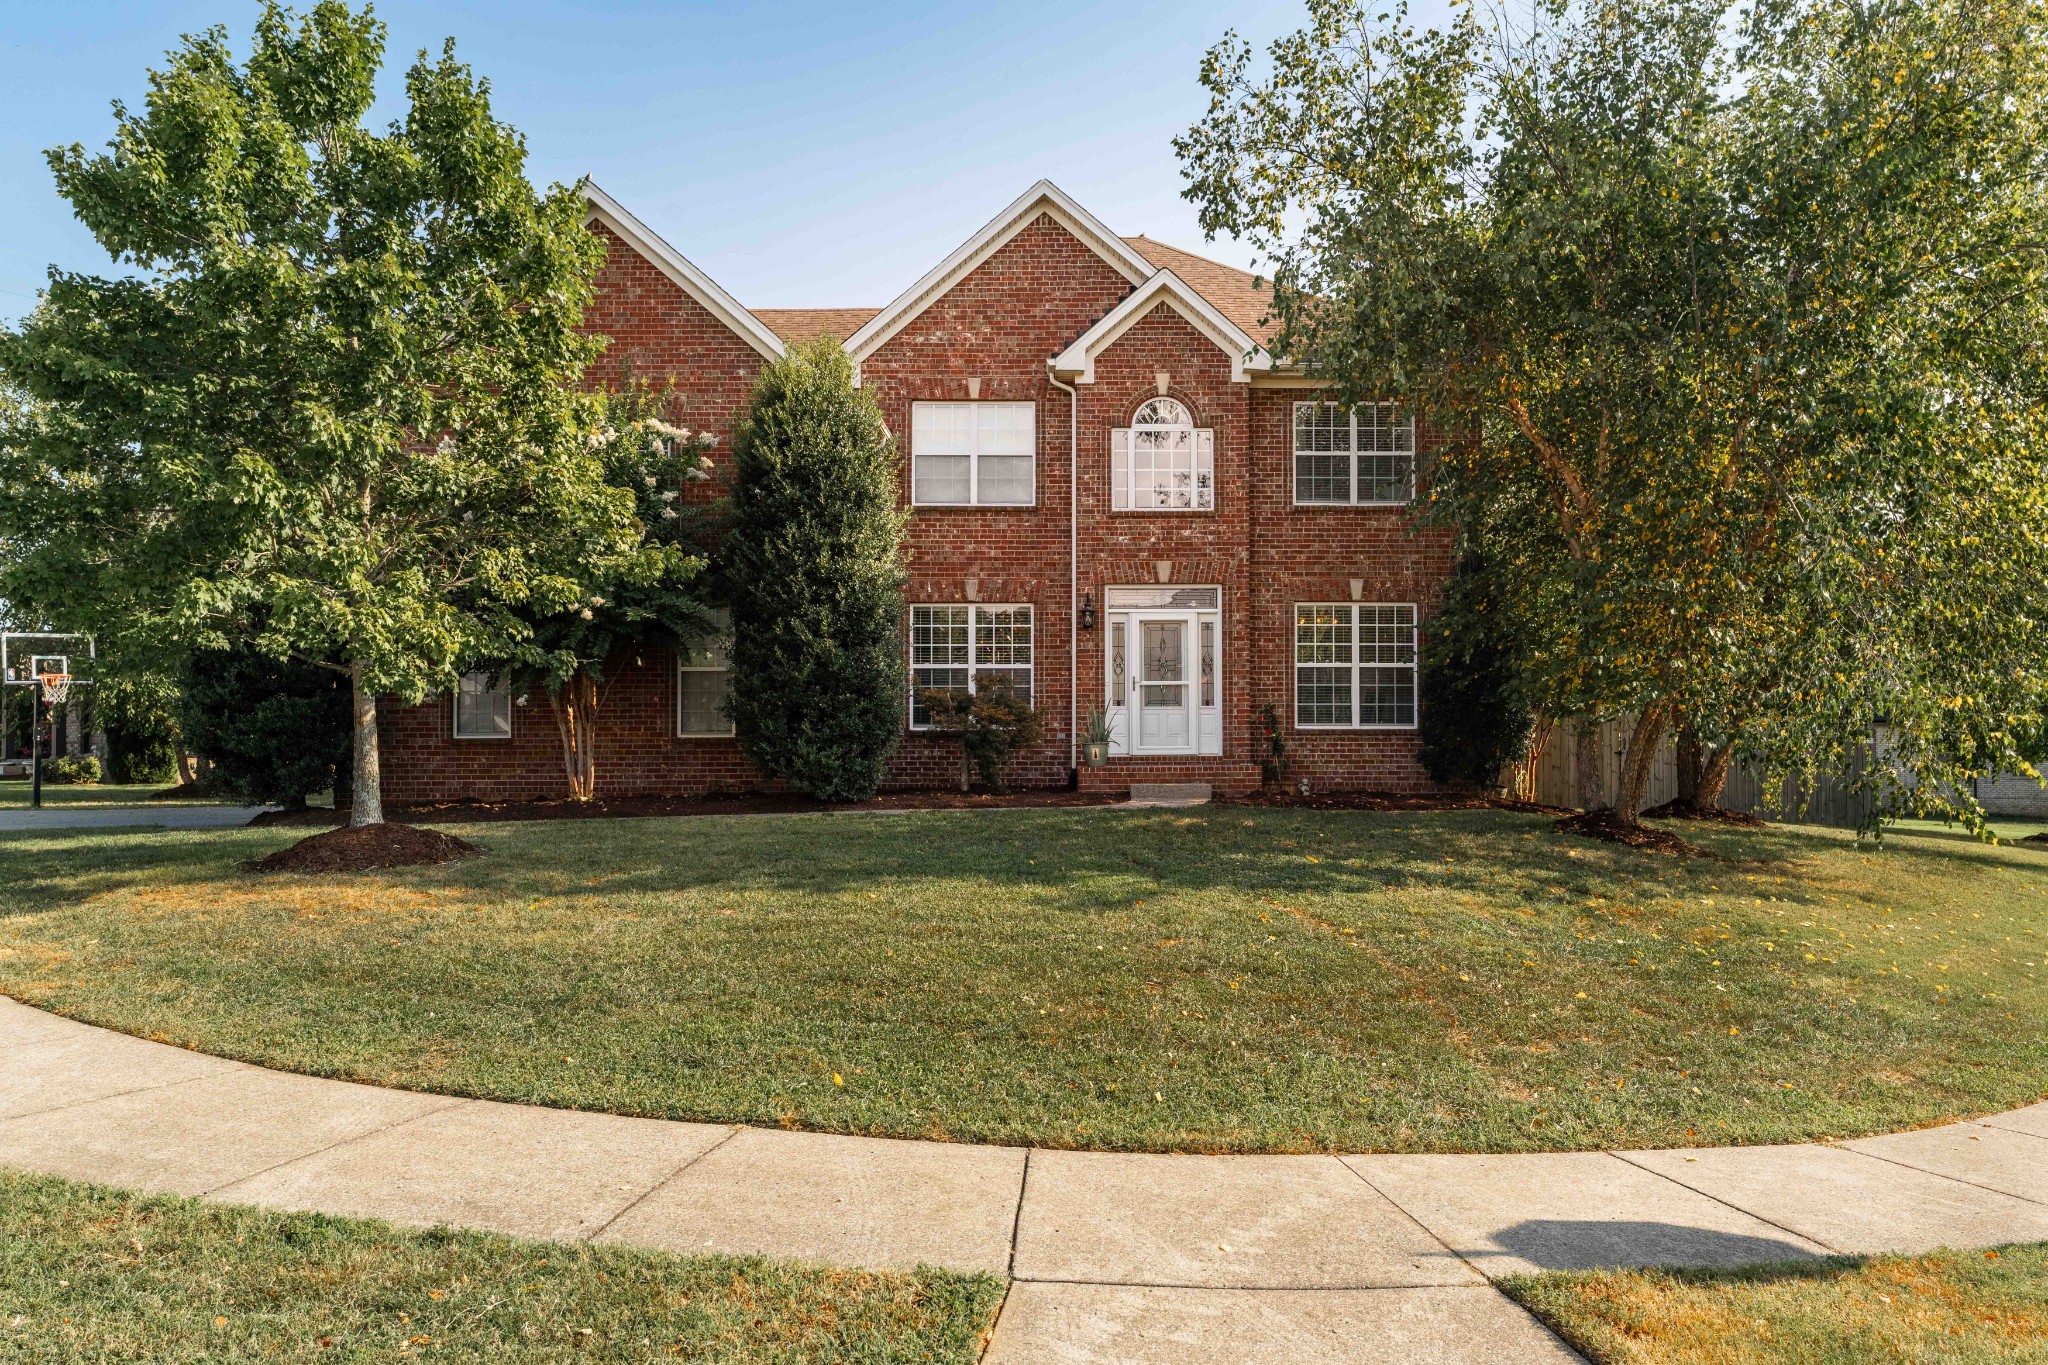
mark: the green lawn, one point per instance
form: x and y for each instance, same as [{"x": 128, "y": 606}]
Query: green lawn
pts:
[
  {"x": 1955, "y": 1307},
  {"x": 95, "y": 1274},
  {"x": 14, "y": 792},
  {"x": 1220, "y": 979}
]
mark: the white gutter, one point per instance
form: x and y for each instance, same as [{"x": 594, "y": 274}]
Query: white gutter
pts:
[{"x": 1073, "y": 570}]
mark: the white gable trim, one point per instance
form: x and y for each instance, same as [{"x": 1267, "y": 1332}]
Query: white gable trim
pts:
[
  {"x": 602, "y": 208},
  {"x": 1043, "y": 197},
  {"x": 1247, "y": 357}
]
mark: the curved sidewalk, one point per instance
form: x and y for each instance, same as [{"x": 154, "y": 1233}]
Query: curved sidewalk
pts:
[{"x": 1118, "y": 1259}]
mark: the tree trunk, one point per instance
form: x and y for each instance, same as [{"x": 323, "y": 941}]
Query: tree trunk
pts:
[
  {"x": 1691, "y": 763},
  {"x": 188, "y": 771},
  {"x": 1587, "y": 788},
  {"x": 1523, "y": 772},
  {"x": 1642, "y": 759},
  {"x": 367, "y": 804},
  {"x": 1714, "y": 777},
  {"x": 575, "y": 710}
]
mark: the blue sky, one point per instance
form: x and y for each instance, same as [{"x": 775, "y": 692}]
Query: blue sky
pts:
[{"x": 805, "y": 154}]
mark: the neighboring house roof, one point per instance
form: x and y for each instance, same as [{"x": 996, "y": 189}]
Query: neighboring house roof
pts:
[
  {"x": 803, "y": 324},
  {"x": 604, "y": 209},
  {"x": 1043, "y": 197},
  {"x": 1169, "y": 290},
  {"x": 1238, "y": 294}
]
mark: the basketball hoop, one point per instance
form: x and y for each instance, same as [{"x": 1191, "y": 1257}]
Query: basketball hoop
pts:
[{"x": 55, "y": 687}]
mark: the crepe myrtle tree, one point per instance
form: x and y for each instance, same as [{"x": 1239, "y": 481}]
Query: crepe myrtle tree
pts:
[
  {"x": 1736, "y": 321},
  {"x": 338, "y": 395},
  {"x": 649, "y": 598}
]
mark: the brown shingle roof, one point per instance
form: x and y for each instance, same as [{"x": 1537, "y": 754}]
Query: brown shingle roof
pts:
[
  {"x": 802, "y": 324},
  {"x": 1236, "y": 293}
]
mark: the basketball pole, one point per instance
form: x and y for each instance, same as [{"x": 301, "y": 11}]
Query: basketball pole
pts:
[{"x": 35, "y": 749}]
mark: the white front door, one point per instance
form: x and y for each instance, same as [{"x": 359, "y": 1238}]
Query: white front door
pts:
[
  {"x": 1161, "y": 668},
  {"x": 1166, "y": 712}
]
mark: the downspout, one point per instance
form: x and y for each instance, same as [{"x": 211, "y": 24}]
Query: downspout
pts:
[{"x": 1073, "y": 573}]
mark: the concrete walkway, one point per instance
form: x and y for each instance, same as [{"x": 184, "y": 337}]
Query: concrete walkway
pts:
[
  {"x": 1116, "y": 1259},
  {"x": 20, "y": 818}
]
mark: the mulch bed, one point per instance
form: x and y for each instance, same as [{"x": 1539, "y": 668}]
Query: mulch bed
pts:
[
  {"x": 1605, "y": 824},
  {"x": 1686, "y": 810},
  {"x": 1386, "y": 801},
  {"x": 364, "y": 848},
  {"x": 764, "y": 803}
]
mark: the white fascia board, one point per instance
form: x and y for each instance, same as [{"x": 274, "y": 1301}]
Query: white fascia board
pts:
[
  {"x": 1247, "y": 357},
  {"x": 1043, "y": 197},
  {"x": 602, "y": 208}
]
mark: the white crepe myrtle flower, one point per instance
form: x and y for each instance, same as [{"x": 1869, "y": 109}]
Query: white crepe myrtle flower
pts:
[
  {"x": 447, "y": 446},
  {"x": 668, "y": 513},
  {"x": 596, "y": 601},
  {"x": 668, "y": 495},
  {"x": 587, "y": 614}
]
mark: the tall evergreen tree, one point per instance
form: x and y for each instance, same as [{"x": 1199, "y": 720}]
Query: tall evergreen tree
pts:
[{"x": 813, "y": 561}]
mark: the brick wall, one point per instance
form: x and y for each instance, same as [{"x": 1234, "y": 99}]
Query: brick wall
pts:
[{"x": 997, "y": 325}]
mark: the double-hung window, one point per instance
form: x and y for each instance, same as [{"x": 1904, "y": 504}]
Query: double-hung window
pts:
[
  {"x": 1162, "y": 462},
  {"x": 951, "y": 646},
  {"x": 703, "y": 683},
  {"x": 483, "y": 708},
  {"x": 1354, "y": 666},
  {"x": 973, "y": 454},
  {"x": 1353, "y": 456}
]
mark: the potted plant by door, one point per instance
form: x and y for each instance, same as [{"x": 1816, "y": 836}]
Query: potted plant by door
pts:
[{"x": 1095, "y": 739}]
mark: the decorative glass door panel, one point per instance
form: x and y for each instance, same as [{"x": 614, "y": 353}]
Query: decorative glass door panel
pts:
[{"x": 1164, "y": 725}]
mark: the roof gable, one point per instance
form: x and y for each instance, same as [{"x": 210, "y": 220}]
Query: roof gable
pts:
[
  {"x": 1169, "y": 289},
  {"x": 602, "y": 208},
  {"x": 1239, "y": 295},
  {"x": 1043, "y": 197}
]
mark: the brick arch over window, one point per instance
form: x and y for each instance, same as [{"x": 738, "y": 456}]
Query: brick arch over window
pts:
[{"x": 1162, "y": 461}]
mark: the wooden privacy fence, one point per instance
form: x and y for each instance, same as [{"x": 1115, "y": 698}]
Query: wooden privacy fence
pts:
[{"x": 1832, "y": 801}]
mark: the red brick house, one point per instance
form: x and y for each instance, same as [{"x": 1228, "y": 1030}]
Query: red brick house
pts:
[{"x": 1118, "y": 498}]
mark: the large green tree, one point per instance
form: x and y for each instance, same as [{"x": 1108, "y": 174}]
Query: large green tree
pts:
[
  {"x": 336, "y": 406},
  {"x": 1733, "y": 323},
  {"x": 813, "y": 564}
]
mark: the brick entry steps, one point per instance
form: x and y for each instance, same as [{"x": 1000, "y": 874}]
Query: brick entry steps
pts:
[
  {"x": 1223, "y": 777},
  {"x": 1170, "y": 794}
]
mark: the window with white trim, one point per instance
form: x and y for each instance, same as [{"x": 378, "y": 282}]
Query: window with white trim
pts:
[
  {"x": 973, "y": 454},
  {"x": 483, "y": 708},
  {"x": 1354, "y": 665},
  {"x": 1162, "y": 462},
  {"x": 704, "y": 682},
  {"x": 1360, "y": 456},
  {"x": 953, "y": 645}
]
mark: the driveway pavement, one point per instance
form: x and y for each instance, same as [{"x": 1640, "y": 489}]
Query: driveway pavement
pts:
[
  {"x": 108, "y": 817},
  {"x": 1114, "y": 1259}
]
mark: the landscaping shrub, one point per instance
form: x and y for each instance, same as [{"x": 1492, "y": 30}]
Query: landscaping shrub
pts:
[
  {"x": 1475, "y": 718},
  {"x": 277, "y": 731},
  {"x": 992, "y": 723},
  {"x": 83, "y": 771},
  {"x": 812, "y": 560}
]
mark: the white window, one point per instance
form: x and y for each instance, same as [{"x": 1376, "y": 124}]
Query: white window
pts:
[
  {"x": 703, "y": 682},
  {"x": 1362, "y": 455},
  {"x": 965, "y": 454},
  {"x": 1354, "y": 666},
  {"x": 483, "y": 708},
  {"x": 951, "y": 646},
  {"x": 1161, "y": 462}
]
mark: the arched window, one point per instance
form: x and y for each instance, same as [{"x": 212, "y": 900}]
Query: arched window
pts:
[{"x": 1162, "y": 462}]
